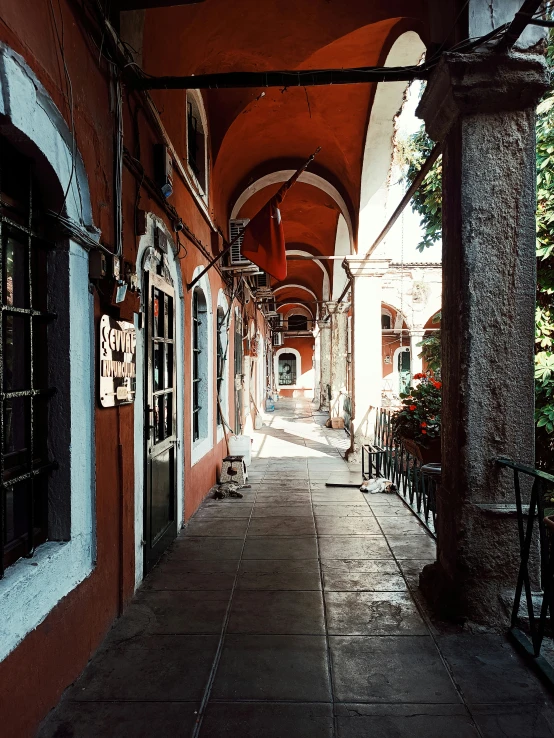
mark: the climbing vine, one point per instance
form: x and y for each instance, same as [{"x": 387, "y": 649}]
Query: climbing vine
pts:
[{"x": 427, "y": 202}]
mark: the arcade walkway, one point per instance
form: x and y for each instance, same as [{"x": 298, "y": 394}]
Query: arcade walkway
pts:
[{"x": 291, "y": 614}]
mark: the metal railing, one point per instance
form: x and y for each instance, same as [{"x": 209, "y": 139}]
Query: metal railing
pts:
[
  {"x": 538, "y": 606},
  {"x": 416, "y": 483}
]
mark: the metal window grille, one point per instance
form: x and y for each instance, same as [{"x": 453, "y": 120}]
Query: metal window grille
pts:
[
  {"x": 24, "y": 462},
  {"x": 287, "y": 369},
  {"x": 196, "y": 378}
]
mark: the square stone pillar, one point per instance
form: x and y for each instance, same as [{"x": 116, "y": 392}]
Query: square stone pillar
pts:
[
  {"x": 324, "y": 362},
  {"x": 339, "y": 354},
  {"x": 367, "y": 344},
  {"x": 482, "y": 108}
]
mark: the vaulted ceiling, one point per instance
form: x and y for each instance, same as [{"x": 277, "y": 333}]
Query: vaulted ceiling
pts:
[{"x": 253, "y": 135}]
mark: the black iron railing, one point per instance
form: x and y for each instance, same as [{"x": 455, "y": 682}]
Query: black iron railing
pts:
[
  {"x": 416, "y": 483},
  {"x": 534, "y": 618}
]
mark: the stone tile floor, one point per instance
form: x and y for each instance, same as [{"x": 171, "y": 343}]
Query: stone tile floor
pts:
[{"x": 293, "y": 613}]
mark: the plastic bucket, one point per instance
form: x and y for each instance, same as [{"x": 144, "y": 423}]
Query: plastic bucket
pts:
[{"x": 240, "y": 446}]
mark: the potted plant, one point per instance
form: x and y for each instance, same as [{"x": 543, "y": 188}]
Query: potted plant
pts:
[{"x": 417, "y": 424}]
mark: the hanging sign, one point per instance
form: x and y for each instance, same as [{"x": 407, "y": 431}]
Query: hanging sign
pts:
[{"x": 118, "y": 364}]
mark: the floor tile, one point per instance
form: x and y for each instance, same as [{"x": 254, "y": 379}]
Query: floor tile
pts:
[
  {"x": 282, "y": 526},
  {"x": 488, "y": 670},
  {"x": 412, "y": 547},
  {"x": 206, "y": 548},
  {"x": 278, "y": 612},
  {"x": 280, "y": 547},
  {"x": 153, "y": 668},
  {"x": 411, "y": 569},
  {"x": 399, "y": 526},
  {"x": 372, "y": 613},
  {"x": 404, "y": 721},
  {"x": 265, "y": 574},
  {"x": 120, "y": 720},
  {"x": 228, "y": 528},
  {"x": 223, "y": 509},
  {"x": 342, "y": 575},
  {"x": 279, "y": 509},
  {"x": 270, "y": 667},
  {"x": 348, "y": 498},
  {"x": 355, "y": 547},
  {"x": 172, "y": 612},
  {"x": 255, "y": 719},
  {"x": 172, "y": 577},
  {"x": 337, "y": 510},
  {"x": 515, "y": 720},
  {"x": 349, "y": 526},
  {"x": 389, "y": 669}
]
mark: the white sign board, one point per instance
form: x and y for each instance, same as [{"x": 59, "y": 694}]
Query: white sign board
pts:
[{"x": 118, "y": 362}]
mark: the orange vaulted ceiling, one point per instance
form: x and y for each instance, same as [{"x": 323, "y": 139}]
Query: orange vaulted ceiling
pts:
[{"x": 252, "y": 135}]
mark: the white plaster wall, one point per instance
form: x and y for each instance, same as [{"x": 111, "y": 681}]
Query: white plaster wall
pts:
[
  {"x": 31, "y": 588},
  {"x": 146, "y": 242},
  {"x": 342, "y": 248},
  {"x": 378, "y": 151}
]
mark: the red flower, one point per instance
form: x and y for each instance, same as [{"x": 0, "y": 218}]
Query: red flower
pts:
[
  {"x": 424, "y": 431},
  {"x": 436, "y": 385},
  {"x": 424, "y": 425},
  {"x": 419, "y": 376},
  {"x": 413, "y": 407}
]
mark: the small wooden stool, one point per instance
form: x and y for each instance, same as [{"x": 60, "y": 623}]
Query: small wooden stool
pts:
[{"x": 233, "y": 469}]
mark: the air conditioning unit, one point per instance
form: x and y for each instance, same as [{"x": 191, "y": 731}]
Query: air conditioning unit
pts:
[
  {"x": 278, "y": 339},
  {"x": 262, "y": 285},
  {"x": 237, "y": 262},
  {"x": 271, "y": 309}
]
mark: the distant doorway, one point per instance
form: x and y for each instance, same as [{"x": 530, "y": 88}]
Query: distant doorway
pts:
[{"x": 287, "y": 369}]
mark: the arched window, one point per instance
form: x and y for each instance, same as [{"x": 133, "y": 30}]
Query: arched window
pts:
[
  {"x": 197, "y": 135},
  {"x": 298, "y": 323},
  {"x": 199, "y": 366},
  {"x": 287, "y": 369},
  {"x": 386, "y": 321},
  {"x": 221, "y": 338},
  {"x": 24, "y": 433}
]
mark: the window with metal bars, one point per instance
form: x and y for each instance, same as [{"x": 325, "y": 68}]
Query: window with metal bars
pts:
[
  {"x": 287, "y": 369},
  {"x": 220, "y": 360},
  {"x": 24, "y": 443},
  {"x": 196, "y": 142},
  {"x": 199, "y": 365}
]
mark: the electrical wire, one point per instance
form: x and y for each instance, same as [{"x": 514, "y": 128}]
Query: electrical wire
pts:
[{"x": 61, "y": 44}]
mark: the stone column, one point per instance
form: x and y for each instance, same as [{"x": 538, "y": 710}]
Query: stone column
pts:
[
  {"x": 416, "y": 364},
  {"x": 367, "y": 345},
  {"x": 324, "y": 362},
  {"x": 339, "y": 351},
  {"x": 482, "y": 108}
]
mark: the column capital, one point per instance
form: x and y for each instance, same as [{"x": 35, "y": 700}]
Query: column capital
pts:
[
  {"x": 360, "y": 267},
  {"x": 480, "y": 83}
]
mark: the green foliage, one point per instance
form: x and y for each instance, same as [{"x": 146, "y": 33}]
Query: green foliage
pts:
[
  {"x": 420, "y": 415},
  {"x": 427, "y": 201},
  {"x": 431, "y": 348}
]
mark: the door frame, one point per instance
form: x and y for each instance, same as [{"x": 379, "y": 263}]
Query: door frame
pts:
[{"x": 147, "y": 252}]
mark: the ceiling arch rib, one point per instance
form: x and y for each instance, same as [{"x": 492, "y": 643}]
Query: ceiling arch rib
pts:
[
  {"x": 295, "y": 286},
  {"x": 306, "y": 177},
  {"x": 326, "y": 281}
]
